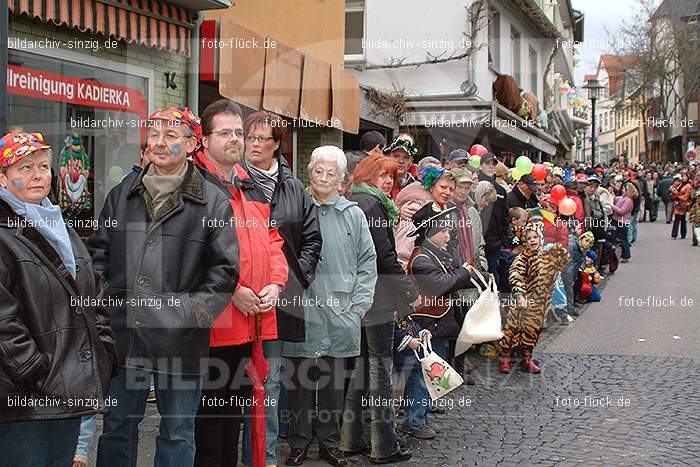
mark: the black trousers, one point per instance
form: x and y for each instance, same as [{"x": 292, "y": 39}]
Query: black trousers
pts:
[
  {"x": 679, "y": 220},
  {"x": 315, "y": 397},
  {"x": 225, "y": 392}
]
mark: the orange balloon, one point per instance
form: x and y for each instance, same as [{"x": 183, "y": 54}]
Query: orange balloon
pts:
[{"x": 567, "y": 207}]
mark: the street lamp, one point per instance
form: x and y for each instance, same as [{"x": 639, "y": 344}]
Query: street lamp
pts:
[{"x": 593, "y": 86}]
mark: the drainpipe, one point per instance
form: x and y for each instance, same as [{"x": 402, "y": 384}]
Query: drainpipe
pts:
[
  {"x": 4, "y": 28},
  {"x": 193, "y": 68}
]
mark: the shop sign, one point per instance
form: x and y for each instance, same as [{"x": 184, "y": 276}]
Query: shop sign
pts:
[{"x": 51, "y": 86}]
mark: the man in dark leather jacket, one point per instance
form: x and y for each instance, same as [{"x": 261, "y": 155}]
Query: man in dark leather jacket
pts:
[{"x": 167, "y": 252}]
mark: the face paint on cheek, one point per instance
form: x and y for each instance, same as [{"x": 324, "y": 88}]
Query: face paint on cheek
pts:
[
  {"x": 18, "y": 183},
  {"x": 175, "y": 150}
]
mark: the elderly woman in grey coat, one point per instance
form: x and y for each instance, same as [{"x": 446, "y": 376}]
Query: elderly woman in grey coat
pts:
[{"x": 335, "y": 304}]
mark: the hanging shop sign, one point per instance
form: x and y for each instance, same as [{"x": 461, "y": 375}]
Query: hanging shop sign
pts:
[{"x": 51, "y": 86}]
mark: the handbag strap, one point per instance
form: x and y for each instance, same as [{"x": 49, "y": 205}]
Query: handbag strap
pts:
[{"x": 482, "y": 281}]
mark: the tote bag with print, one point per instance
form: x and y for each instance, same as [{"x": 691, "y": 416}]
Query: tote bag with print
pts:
[{"x": 440, "y": 378}]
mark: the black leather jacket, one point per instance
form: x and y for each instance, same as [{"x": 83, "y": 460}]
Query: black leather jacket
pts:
[
  {"x": 393, "y": 291},
  {"x": 56, "y": 346},
  {"x": 169, "y": 277}
]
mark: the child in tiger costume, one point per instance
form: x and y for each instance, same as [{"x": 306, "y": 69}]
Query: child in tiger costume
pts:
[{"x": 532, "y": 277}]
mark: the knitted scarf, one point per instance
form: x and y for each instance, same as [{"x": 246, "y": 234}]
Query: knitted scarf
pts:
[
  {"x": 391, "y": 209},
  {"x": 265, "y": 179},
  {"x": 464, "y": 234}
]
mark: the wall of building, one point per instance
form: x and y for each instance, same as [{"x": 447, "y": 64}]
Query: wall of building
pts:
[
  {"x": 135, "y": 55},
  {"x": 312, "y": 26},
  {"x": 417, "y": 31}
]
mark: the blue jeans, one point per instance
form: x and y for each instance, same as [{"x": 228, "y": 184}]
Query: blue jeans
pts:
[
  {"x": 177, "y": 398},
  {"x": 370, "y": 384},
  {"x": 632, "y": 229},
  {"x": 623, "y": 237},
  {"x": 88, "y": 426},
  {"x": 416, "y": 397},
  {"x": 273, "y": 354},
  {"x": 45, "y": 443}
]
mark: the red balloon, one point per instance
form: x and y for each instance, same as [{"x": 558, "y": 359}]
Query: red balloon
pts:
[
  {"x": 478, "y": 150},
  {"x": 539, "y": 171},
  {"x": 567, "y": 207},
  {"x": 558, "y": 193}
]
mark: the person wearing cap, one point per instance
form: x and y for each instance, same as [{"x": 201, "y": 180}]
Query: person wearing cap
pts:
[
  {"x": 57, "y": 343},
  {"x": 466, "y": 238},
  {"x": 439, "y": 279},
  {"x": 168, "y": 256},
  {"x": 458, "y": 158},
  {"x": 524, "y": 193},
  {"x": 494, "y": 216},
  {"x": 402, "y": 150},
  {"x": 502, "y": 176}
]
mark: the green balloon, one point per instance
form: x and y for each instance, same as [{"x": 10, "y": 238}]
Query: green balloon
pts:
[
  {"x": 524, "y": 165},
  {"x": 516, "y": 173},
  {"x": 475, "y": 161},
  {"x": 116, "y": 174}
]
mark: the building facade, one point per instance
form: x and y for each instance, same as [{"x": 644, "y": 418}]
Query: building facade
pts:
[
  {"x": 444, "y": 62},
  {"x": 85, "y": 77},
  {"x": 265, "y": 55}
]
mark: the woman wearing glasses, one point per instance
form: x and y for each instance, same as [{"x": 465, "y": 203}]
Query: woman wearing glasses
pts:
[{"x": 294, "y": 214}]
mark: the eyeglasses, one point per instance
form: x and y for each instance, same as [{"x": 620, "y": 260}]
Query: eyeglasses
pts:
[
  {"x": 227, "y": 133},
  {"x": 259, "y": 139}
]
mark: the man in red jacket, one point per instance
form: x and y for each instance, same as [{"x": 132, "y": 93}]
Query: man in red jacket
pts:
[{"x": 263, "y": 275}]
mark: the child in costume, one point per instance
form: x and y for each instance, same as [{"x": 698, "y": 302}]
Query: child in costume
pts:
[
  {"x": 432, "y": 269},
  {"x": 532, "y": 278},
  {"x": 589, "y": 279}
]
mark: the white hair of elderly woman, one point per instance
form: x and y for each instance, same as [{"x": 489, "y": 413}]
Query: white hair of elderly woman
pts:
[
  {"x": 330, "y": 153},
  {"x": 485, "y": 188}
]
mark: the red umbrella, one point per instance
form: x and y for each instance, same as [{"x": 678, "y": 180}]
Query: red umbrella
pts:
[{"x": 257, "y": 369}]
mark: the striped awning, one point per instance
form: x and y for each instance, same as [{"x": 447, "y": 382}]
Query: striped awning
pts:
[{"x": 152, "y": 23}]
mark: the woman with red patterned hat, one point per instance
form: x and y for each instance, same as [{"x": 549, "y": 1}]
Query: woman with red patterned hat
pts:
[{"x": 58, "y": 351}]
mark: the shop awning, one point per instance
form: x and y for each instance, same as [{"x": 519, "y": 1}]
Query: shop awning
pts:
[
  {"x": 481, "y": 120},
  {"x": 151, "y": 23},
  {"x": 262, "y": 73}
]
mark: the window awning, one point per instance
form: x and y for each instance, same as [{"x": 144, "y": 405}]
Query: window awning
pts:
[
  {"x": 151, "y": 23},
  {"x": 482, "y": 120},
  {"x": 262, "y": 73}
]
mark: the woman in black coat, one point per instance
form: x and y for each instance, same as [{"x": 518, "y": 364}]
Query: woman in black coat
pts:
[
  {"x": 294, "y": 214},
  {"x": 57, "y": 351},
  {"x": 373, "y": 180}
]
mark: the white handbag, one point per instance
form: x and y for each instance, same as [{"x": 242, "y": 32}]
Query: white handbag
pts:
[
  {"x": 440, "y": 378},
  {"x": 482, "y": 322}
]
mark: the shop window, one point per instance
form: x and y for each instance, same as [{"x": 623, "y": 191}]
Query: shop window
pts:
[
  {"x": 354, "y": 29},
  {"x": 74, "y": 106}
]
